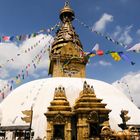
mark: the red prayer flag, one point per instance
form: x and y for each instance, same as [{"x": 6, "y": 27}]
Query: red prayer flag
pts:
[
  {"x": 81, "y": 54},
  {"x": 2, "y": 94},
  {"x": 6, "y": 38},
  {"x": 99, "y": 52}
]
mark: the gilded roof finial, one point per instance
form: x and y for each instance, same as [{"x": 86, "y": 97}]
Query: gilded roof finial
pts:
[{"x": 66, "y": 13}]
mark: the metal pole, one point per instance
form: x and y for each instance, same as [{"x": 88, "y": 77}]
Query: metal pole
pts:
[{"x": 30, "y": 128}]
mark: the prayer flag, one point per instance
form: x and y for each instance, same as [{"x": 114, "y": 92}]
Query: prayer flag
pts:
[
  {"x": 81, "y": 54},
  {"x": 86, "y": 58},
  {"x": 95, "y": 48},
  {"x": 41, "y": 31},
  {"x": 108, "y": 52},
  {"x": 135, "y": 48},
  {"x": 2, "y": 94},
  {"x": 107, "y": 37},
  {"x": 34, "y": 66},
  {"x": 29, "y": 36},
  {"x": 6, "y": 38},
  {"x": 48, "y": 30},
  {"x": 100, "y": 52},
  {"x": 27, "y": 73},
  {"x": 23, "y": 37},
  {"x": 17, "y": 80},
  {"x": 92, "y": 55},
  {"x": 115, "y": 56},
  {"x": 20, "y": 37},
  {"x": 11, "y": 88},
  {"x": 126, "y": 58},
  {"x": 34, "y": 34},
  {"x": 12, "y": 81},
  {"x": 93, "y": 51},
  {"x": 28, "y": 65},
  {"x": 17, "y": 37},
  {"x": 11, "y": 38},
  {"x": 23, "y": 76}
]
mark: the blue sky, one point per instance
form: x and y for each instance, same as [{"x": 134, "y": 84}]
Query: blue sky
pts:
[{"x": 119, "y": 19}]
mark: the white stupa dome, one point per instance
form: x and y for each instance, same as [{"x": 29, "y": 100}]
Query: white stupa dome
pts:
[{"x": 40, "y": 93}]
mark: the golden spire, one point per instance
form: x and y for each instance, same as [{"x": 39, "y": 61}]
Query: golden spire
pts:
[
  {"x": 60, "y": 103},
  {"x": 66, "y": 14},
  {"x": 66, "y": 46},
  {"x": 66, "y": 32}
]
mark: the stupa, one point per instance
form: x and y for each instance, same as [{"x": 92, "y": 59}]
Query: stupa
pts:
[{"x": 67, "y": 105}]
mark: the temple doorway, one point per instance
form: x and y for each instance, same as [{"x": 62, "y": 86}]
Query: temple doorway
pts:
[{"x": 58, "y": 132}]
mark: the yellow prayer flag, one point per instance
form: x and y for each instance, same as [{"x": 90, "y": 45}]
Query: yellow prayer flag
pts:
[
  {"x": 17, "y": 81},
  {"x": 92, "y": 55},
  {"x": 115, "y": 56}
]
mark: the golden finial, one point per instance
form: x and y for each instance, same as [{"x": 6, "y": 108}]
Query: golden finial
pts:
[
  {"x": 66, "y": 13},
  {"x": 67, "y": 2}
]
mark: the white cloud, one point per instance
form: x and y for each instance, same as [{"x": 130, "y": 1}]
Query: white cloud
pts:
[
  {"x": 4, "y": 73},
  {"x": 138, "y": 32},
  {"x": 11, "y": 68},
  {"x": 10, "y": 50},
  {"x": 100, "y": 25},
  {"x": 2, "y": 83},
  {"x": 104, "y": 63},
  {"x": 117, "y": 32},
  {"x": 123, "y": 34},
  {"x": 130, "y": 85}
]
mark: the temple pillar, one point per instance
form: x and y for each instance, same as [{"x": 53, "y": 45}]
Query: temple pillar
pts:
[{"x": 82, "y": 128}]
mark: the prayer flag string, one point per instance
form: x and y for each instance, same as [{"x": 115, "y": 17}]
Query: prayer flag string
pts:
[
  {"x": 103, "y": 35},
  {"x": 125, "y": 83},
  {"x": 24, "y": 72},
  {"x": 85, "y": 56},
  {"x": 6, "y": 38},
  {"x": 29, "y": 48}
]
